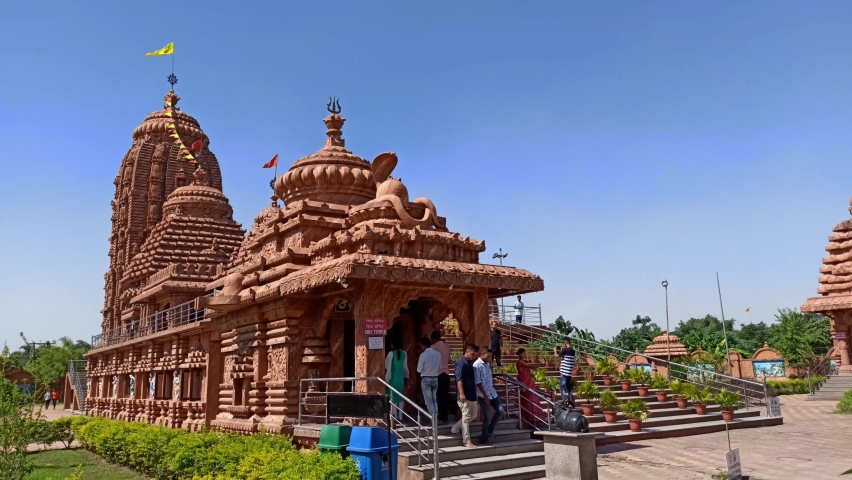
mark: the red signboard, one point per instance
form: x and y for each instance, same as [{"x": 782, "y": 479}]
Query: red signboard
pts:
[{"x": 375, "y": 326}]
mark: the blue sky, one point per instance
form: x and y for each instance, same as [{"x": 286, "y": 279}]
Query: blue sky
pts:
[{"x": 606, "y": 148}]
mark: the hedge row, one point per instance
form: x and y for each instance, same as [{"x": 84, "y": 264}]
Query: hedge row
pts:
[
  {"x": 169, "y": 454},
  {"x": 794, "y": 386}
]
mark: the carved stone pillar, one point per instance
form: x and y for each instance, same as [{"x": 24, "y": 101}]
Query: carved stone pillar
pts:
[
  {"x": 282, "y": 385},
  {"x": 368, "y": 363},
  {"x": 212, "y": 379},
  {"x": 480, "y": 316}
]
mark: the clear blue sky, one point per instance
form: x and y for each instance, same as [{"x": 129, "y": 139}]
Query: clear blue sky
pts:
[{"x": 605, "y": 148}]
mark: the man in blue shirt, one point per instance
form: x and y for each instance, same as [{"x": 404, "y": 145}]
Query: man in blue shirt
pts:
[
  {"x": 466, "y": 385},
  {"x": 487, "y": 395}
]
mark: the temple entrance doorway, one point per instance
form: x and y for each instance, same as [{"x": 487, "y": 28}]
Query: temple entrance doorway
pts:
[{"x": 419, "y": 318}]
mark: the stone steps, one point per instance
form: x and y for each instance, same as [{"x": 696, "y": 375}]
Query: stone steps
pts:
[
  {"x": 654, "y": 422},
  {"x": 682, "y": 430},
  {"x": 477, "y": 465},
  {"x": 833, "y": 388}
]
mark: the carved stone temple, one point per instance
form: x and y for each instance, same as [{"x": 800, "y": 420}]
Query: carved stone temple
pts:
[
  {"x": 205, "y": 326},
  {"x": 835, "y": 300}
]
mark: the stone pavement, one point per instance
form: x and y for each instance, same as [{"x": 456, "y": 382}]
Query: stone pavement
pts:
[{"x": 813, "y": 443}]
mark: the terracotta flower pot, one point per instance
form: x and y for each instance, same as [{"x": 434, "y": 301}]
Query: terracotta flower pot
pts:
[
  {"x": 662, "y": 396},
  {"x": 635, "y": 425},
  {"x": 643, "y": 391},
  {"x": 607, "y": 380},
  {"x": 700, "y": 408},
  {"x": 728, "y": 415},
  {"x": 625, "y": 386},
  {"x": 610, "y": 416},
  {"x": 588, "y": 409},
  {"x": 681, "y": 402}
]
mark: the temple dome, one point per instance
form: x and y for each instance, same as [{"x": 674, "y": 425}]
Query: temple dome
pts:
[
  {"x": 664, "y": 343},
  {"x": 333, "y": 174},
  {"x": 198, "y": 200}
]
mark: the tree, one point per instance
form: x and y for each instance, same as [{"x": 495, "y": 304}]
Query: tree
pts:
[
  {"x": 639, "y": 336},
  {"x": 561, "y": 326},
  {"x": 752, "y": 336},
  {"x": 20, "y": 421},
  {"x": 800, "y": 336},
  {"x": 584, "y": 334},
  {"x": 51, "y": 364}
]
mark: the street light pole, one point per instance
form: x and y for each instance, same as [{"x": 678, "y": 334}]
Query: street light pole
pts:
[
  {"x": 501, "y": 256},
  {"x": 724, "y": 328},
  {"x": 668, "y": 333}
]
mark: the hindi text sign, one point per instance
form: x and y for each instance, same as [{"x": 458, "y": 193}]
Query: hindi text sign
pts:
[
  {"x": 735, "y": 470},
  {"x": 375, "y": 326}
]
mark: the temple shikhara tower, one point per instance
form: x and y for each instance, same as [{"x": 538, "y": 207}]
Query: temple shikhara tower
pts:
[
  {"x": 204, "y": 325},
  {"x": 835, "y": 300}
]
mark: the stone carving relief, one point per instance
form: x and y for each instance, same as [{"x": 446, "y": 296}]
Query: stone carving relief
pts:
[
  {"x": 152, "y": 385},
  {"x": 115, "y": 386},
  {"x": 132, "y": 379},
  {"x": 176, "y": 385},
  {"x": 278, "y": 364}
]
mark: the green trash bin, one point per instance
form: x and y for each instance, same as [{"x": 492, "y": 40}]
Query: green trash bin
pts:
[{"x": 335, "y": 439}]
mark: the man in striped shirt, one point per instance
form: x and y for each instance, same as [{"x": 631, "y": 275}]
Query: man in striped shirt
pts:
[{"x": 566, "y": 356}]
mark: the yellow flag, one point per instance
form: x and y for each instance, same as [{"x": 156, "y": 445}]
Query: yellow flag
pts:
[
  {"x": 170, "y": 125},
  {"x": 189, "y": 157},
  {"x": 167, "y": 50},
  {"x": 175, "y": 135},
  {"x": 168, "y": 114}
]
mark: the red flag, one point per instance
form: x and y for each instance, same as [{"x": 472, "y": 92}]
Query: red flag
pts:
[
  {"x": 196, "y": 145},
  {"x": 272, "y": 163}
]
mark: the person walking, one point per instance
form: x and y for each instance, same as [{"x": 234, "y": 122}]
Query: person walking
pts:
[
  {"x": 428, "y": 366},
  {"x": 531, "y": 410},
  {"x": 54, "y": 397},
  {"x": 566, "y": 356},
  {"x": 46, "y": 400},
  {"x": 442, "y": 396},
  {"x": 487, "y": 396},
  {"x": 496, "y": 342},
  {"x": 519, "y": 311},
  {"x": 396, "y": 373},
  {"x": 466, "y": 384}
]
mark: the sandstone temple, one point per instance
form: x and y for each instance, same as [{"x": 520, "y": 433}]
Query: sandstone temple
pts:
[
  {"x": 835, "y": 300},
  {"x": 207, "y": 326}
]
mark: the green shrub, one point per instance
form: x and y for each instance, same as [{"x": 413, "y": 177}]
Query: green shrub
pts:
[
  {"x": 169, "y": 454},
  {"x": 845, "y": 403},
  {"x": 794, "y": 386},
  {"x": 609, "y": 401},
  {"x": 606, "y": 366},
  {"x": 635, "y": 409},
  {"x": 588, "y": 390},
  {"x": 727, "y": 400}
]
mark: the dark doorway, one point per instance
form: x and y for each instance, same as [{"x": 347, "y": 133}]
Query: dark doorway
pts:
[{"x": 348, "y": 353}]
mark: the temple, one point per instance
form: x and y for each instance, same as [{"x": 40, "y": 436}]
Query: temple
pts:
[
  {"x": 220, "y": 327},
  {"x": 835, "y": 300}
]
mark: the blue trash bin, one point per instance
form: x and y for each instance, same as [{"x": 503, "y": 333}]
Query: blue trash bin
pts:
[{"x": 368, "y": 446}]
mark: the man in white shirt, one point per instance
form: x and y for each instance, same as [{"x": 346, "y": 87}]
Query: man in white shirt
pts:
[
  {"x": 486, "y": 395},
  {"x": 519, "y": 311},
  {"x": 429, "y": 366}
]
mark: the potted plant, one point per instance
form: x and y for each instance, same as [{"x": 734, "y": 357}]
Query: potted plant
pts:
[
  {"x": 510, "y": 350},
  {"x": 539, "y": 375},
  {"x": 642, "y": 378},
  {"x": 700, "y": 397},
  {"x": 455, "y": 355},
  {"x": 625, "y": 378},
  {"x": 552, "y": 385},
  {"x": 636, "y": 411},
  {"x": 607, "y": 368},
  {"x": 589, "y": 391},
  {"x": 510, "y": 368},
  {"x": 609, "y": 404},
  {"x": 661, "y": 384},
  {"x": 728, "y": 401},
  {"x": 451, "y": 326},
  {"x": 680, "y": 391},
  {"x": 588, "y": 372}
]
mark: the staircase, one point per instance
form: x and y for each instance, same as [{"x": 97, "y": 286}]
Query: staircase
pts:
[
  {"x": 77, "y": 376},
  {"x": 833, "y": 388}
]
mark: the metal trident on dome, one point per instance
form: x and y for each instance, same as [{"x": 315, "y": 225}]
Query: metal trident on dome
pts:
[{"x": 333, "y": 105}]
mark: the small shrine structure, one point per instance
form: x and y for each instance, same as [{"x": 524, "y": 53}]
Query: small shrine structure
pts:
[
  {"x": 318, "y": 288},
  {"x": 835, "y": 291}
]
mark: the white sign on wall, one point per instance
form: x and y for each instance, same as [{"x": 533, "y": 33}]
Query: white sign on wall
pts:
[
  {"x": 735, "y": 470},
  {"x": 376, "y": 343}
]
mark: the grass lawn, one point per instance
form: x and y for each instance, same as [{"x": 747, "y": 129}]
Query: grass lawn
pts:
[{"x": 61, "y": 464}]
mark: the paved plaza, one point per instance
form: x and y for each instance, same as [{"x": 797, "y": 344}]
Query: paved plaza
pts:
[{"x": 813, "y": 443}]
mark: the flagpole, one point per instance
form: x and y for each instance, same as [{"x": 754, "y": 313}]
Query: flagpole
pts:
[{"x": 724, "y": 328}]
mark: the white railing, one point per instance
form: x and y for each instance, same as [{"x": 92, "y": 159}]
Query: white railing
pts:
[
  {"x": 529, "y": 315},
  {"x": 176, "y": 316}
]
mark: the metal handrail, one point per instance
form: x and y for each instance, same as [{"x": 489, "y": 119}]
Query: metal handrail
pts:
[
  {"x": 176, "y": 316},
  {"x": 518, "y": 388},
  {"x": 824, "y": 368},
  {"x": 530, "y": 315},
  {"x": 395, "y": 426},
  {"x": 77, "y": 372}
]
